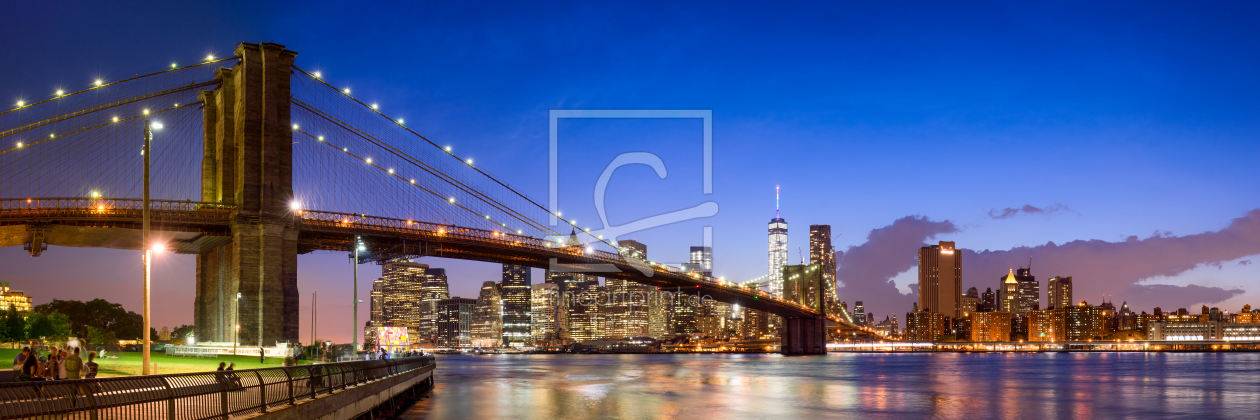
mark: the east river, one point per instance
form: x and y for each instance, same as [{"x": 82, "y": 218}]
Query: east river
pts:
[{"x": 867, "y": 386}]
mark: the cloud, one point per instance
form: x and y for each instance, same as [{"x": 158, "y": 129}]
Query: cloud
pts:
[
  {"x": 1008, "y": 212},
  {"x": 1183, "y": 296},
  {"x": 867, "y": 269},
  {"x": 1097, "y": 267},
  {"x": 1116, "y": 268}
]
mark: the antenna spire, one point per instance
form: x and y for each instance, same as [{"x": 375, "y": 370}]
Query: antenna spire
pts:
[{"x": 776, "y": 201}]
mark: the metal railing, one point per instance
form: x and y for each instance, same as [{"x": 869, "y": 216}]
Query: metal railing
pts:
[
  {"x": 193, "y": 396},
  {"x": 113, "y": 208}
]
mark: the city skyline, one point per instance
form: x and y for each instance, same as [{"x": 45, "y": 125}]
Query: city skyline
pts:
[{"x": 1201, "y": 248}]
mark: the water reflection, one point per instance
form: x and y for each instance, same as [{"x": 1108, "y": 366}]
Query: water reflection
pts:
[{"x": 874, "y": 386}]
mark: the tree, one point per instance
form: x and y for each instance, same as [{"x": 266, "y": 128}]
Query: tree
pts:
[
  {"x": 98, "y": 313},
  {"x": 181, "y": 334},
  {"x": 97, "y": 337},
  {"x": 13, "y": 327},
  {"x": 60, "y": 324}
]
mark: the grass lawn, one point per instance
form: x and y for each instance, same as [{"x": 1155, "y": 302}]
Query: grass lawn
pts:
[{"x": 128, "y": 363}]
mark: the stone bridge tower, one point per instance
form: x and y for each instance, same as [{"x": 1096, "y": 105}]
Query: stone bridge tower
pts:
[{"x": 248, "y": 163}]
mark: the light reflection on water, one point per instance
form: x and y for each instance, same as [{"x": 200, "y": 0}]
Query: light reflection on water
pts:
[{"x": 869, "y": 386}]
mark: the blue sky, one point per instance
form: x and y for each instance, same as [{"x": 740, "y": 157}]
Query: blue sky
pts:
[{"x": 1132, "y": 119}]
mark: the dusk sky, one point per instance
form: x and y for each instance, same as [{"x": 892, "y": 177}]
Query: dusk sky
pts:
[{"x": 1115, "y": 144}]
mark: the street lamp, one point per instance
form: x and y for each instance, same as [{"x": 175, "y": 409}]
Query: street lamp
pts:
[{"x": 236, "y": 338}]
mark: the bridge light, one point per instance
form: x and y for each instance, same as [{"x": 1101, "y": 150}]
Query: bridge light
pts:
[
  {"x": 97, "y": 82},
  {"x": 374, "y": 106},
  {"x": 115, "y": 119},
  {"x": 347, "y": 91},
  {"x": 413, "y": 181},
  {"x": 173, "y": 65},
  {"x": 470, "y": 162},
  {"x": 19, "y": 145},
  {"x": 100, "y": 208},
  {"x": 23, "y": 103},
  {"x": 295, "y": 205},
  {"x": 448, "y": 148},
  {"x": 159, "y": 247},
  {"x": 60, "y": 92},
  {"x": 52, "y": 136},
  {"x": 295, "y": 127},
  {"x": 156, "y": 125},
  {"x": 368, "y": 160},
  {"x": 344, "y": 149},
  {"x": 452, "y": 200},
  {"x": 320, "y": 138},
  {"x": 518, "y": 232},
  {"x": 400, "y": 121},
  {"x": 146, "y": 111},
  {"x": 317, "y": 75},
  {"x": 391, "y": 170},
  {"x": 210, "y": 57}
]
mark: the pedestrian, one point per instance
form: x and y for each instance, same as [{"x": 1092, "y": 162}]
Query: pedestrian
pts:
[
  {"x": 90, "y": 368},
  {"x": 73, "y": 365},
  {"x": 61, "y": 364},
  {"x": 262, "y": 357},
  {"x": 221, "y": 365}
]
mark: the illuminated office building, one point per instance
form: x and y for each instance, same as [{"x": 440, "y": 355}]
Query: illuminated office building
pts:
[
  {"x": 990, "y": 326},
  {"x": 778, "y": 256},
  {"x": 454, "y": 322},
  {"x": 924, "y": 326},
  {"x": 823, "y": 254},
  {"x": 545, "y": 311},
  {"x": 487, "y": 329},
  {"x": 1029, "y": 291},
  {"x": 970, "y": 302},
  {"x": 433, "y": 291},
  {"x": 585, "y": 317},
  {"x": 1059, "y": 293},
  {"x": 940, "y": 279},
  {"x": 13, "y": 298},
  {"x": 1042, "y": 326},
  {"x": 516, "y": 299},
  {"x": 1008, "y": 294}
]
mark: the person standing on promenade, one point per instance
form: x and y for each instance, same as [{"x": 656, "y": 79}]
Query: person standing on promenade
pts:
[
  {"x": 74, "y": 365},
  {"x": 90, "y": 368},
  {"x": 262, "y": 356}
]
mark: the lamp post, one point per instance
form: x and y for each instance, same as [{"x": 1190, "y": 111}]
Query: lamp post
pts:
[
  {"x": 354, "y": 326},
  {"x": 236, "y": 338},
  {"x": 145, "y": 244}
]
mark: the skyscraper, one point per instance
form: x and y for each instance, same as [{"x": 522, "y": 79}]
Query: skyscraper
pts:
[
  {"x": 544, "y": 313},
  {"x": 778, "y": 257},
  {"x": 970, "y": 302},
  {"x": 398, "y": 298},
  {"x": 627, "y": 311},
  {"x": 1060, "y": 292},
  {"x": 433, "y": 291},
  {"x": 1008, "y": 293},
  {"x": 585, "y": 317},
  {"x": 487, "y": 328},
  {"x": 988, "y": 301},
  {"x": 454, "y": 322},
  {"x": 940, "y": 279},
  {"x": 822, "y": 253},
  {"x": 859, "y": 313},
  {"x": 1029, "y": 291},
  {"x": 516, "y": 299},
  {"x": 701, "y": 261}
]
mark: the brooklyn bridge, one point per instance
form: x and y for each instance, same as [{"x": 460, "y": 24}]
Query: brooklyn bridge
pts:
[{"x": 255, "y": 161}]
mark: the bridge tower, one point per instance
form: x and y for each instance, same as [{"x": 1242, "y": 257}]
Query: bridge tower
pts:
[{"x": 248, "y": 163}]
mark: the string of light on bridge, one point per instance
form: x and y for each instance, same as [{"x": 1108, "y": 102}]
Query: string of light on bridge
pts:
[
  {"x": 375, "y": 108},
  {"x": 99, "y": 83},
  {"x": 146, "y": 113}
]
